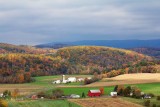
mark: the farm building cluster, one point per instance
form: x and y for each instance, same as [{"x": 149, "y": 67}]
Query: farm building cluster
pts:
[{"x": 69, "y": 80}]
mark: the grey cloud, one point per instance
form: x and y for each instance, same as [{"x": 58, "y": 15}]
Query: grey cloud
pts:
[{"x": 38, "y": 21}]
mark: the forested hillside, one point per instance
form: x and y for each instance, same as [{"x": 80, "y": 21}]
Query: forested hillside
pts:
[
  {"x": 100, "y": 58},
  {"x": 9, "y": 48},
  {"x": 17, "y": 67},
  {"x": 13, "y": 67},
  {"x": 155, "y": 52}
]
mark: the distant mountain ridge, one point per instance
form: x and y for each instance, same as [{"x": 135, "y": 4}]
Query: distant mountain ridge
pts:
[{"x": 109, "y": 43}]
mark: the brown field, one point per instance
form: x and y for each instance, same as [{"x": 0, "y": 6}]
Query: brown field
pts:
[
  {"x": 138, "y": 78},
  {"x": 104, "y": 102},
  {"x": 23, "y": 88}
]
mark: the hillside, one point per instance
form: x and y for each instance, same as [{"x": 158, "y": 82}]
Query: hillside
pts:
[
  {"x": 155, "y": 52},
  {"x": 99, "y": 59},
  {"x": 20, "y": 67},
  {"x": 9, "y": 48}
]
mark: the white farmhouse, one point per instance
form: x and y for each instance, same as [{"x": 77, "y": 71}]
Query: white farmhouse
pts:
[
  {"x": 72, "y": 79},
  {"x": 56, "y": 82}
]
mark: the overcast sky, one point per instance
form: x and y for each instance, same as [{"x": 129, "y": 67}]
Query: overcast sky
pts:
[{"x": 41, "y": 21}]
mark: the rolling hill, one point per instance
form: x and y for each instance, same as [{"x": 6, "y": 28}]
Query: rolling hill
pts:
[
  {"x": 15, "y": 65},
  {"x": 9, "y": 48},
  {"x": 99, "y": 59}
]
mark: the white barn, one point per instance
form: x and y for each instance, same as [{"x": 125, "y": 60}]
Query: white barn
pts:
[{"x": 72, "y": 79}]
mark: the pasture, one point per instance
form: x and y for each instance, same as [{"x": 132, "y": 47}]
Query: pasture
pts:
[
  {"x": 147, "y": 88},
  {"x": 42, "y": 103},
  {"x": 44, "y": 83},
  {"x": 40, "y": 83}
]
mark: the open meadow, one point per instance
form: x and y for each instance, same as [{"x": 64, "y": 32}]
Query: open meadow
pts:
[{"x": 42, "y": 103}]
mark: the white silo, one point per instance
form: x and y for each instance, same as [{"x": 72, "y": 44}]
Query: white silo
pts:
[{"x": 63, "y": 78}]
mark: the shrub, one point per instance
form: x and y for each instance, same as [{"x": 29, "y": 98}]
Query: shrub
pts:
[
  {"x": 3, "y": 103},
  {"x": 158, "y": 97},
  {"x": 41, "y": 94},
  {"x": 120, "y": 89},
  {"x": 136, "y": 92},
  {"x": 102, "y": 90},
  {"x": 151, "y": 94},
  {"x": 83, "y": 95},
  {"x": 15, "y": 93},
  {"x": 154, "y": 105},
  {"x": 6, "y": 93},
  {"x": 57, "y": 93},
  {"x": 127, "y": 91},
  {"x": 89, "y": 81},
  {"x": 115, "y": 88},
  {"x": 147, "y": 103}
]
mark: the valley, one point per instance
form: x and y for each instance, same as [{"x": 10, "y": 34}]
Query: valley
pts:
[{"x": 32, "y": 71}]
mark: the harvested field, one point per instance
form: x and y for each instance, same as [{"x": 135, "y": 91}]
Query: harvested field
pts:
[
  {"x": 104, "y": 102},
  {"x": 139, "y": 78}
]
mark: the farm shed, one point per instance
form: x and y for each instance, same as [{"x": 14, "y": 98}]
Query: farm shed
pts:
[
  {"x": 113, "y": 94},
  {"x": 94, "y": 93}
]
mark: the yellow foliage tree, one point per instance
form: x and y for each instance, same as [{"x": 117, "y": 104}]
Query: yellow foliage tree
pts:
[
  {"x": 3, "y": 103},
  {"x": 15, "y": 93}
]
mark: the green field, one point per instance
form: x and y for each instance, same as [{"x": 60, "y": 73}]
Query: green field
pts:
[
  {"x": 44, "y": 83},
  {"x": 47, "y": 80},
  {"x": 42, "y": 103},
  {"x": 150, "y": 88},
  {"x": 147, "y": 88}
]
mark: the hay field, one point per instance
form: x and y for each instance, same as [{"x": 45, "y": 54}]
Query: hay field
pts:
[
  {"x": 139, "y": 78},
  {"x": 104, "y": 102}
]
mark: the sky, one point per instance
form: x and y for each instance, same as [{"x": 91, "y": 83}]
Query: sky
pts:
[{"x": 31, "y": 22}]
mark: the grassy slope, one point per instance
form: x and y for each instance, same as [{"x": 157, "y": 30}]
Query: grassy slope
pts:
[
  {"x": 147, "y": 88},
  {"x": 43, "y": 103}
]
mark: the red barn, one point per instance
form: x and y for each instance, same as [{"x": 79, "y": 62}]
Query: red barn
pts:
[{"x": 94, "y": 93}]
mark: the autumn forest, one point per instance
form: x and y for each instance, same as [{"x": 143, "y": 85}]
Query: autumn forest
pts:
[{"x": 18, "y": 64}]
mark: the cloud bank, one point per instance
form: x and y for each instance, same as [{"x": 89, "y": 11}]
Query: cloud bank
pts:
[{"x": 42, "y": 21}]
